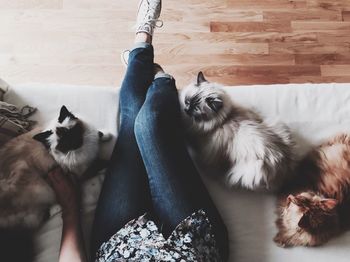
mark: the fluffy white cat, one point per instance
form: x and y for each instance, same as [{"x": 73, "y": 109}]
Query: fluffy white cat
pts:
[{"x": 234, "y": 142}]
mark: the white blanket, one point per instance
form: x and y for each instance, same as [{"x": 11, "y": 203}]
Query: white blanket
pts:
[{"x": 314, "y": 112}]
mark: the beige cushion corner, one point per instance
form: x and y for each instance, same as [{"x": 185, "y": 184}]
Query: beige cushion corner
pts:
[{"x": 3, "y": 88}]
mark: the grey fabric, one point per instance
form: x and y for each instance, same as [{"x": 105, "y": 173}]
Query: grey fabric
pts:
[
  {"x": 2, "y": 92},
  {"x": 13, "y": 120},
  {"x": 3, "y": 89}
]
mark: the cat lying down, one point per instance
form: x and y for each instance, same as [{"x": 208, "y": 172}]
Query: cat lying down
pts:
[
  {"x": 316, "y": 206},
  {"x": 25, "y": 161},
  {"x": 234, "y": 142}
]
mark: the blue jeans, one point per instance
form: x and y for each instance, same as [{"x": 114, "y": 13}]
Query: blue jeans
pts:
[{"x": 150, "y": 169}]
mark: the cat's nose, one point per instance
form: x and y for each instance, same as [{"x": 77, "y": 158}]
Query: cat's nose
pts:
[{"x": 187, "y": 111}]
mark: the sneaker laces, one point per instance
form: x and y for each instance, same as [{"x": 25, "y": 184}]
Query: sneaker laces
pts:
[
  {"x": 152, "y": 22},
  {"x": 157, "y": 23}
]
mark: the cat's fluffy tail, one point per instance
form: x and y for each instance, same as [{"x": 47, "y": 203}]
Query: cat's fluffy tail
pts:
[{"x": 270, "y": 170}]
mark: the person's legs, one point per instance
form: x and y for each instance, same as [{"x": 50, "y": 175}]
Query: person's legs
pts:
[
  {"x": 176, "y": 188},
  {"x": 125, "y": 194}
]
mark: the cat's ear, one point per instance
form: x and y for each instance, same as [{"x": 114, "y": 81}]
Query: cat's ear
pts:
[
  {"x": 215, "y": 103},
  {"x": 42, "y": 137},
  {"x": 329, "y": 203},
  {"x": 290, "y": 199},
  {"x": 200, "y": 78},
  {"x": 64, "y": 113},
  {"x": 304, "y": 222}
]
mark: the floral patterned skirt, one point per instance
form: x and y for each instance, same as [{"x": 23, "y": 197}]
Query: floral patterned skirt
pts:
[{"x": 140, "y": 240}]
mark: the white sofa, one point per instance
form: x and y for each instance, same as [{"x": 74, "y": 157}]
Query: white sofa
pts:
[{"x": 314, "y": 112}]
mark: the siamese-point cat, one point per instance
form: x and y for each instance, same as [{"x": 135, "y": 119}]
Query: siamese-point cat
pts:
[
  {"x": 235, "y": 142},
  {"x": 25, "y": 195}
]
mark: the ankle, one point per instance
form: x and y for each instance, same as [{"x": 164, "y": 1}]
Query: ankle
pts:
[{"x": 143, "y": 37}]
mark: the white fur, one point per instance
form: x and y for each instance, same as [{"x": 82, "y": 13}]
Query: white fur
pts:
[
  {"x": 76, "y": 161},
  {"x": 258, "y": 153}
]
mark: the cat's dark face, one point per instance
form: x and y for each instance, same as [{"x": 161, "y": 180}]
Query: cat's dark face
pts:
[
  {"x": 315, "y": 212},
  {"x": 67, "y": 134},
  {"x": 202, "y": 103}
]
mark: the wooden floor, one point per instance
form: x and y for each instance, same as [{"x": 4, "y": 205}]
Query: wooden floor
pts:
[{"x": 232, "y": 41}]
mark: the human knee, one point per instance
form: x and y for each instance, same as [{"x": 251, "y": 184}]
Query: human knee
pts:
[{"x": 161, "y": 109}]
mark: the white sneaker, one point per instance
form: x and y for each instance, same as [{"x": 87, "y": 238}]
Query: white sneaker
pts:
[{"x": 147, "y": 16}]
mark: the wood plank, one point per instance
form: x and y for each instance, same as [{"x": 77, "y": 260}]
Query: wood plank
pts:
[
  {"x": 100, "y": 4},
  {"x": 263, "y": 71},
  {"x": 269, "y": 37},
  {"x": 322, "y": 59},
  {"x": 319, "y": 26},
  {"x": 335, "y": 70},
  {"x": 346, "y": 15},
  {"x": 320, "y": 79},
  {"x": 67, "y": 59},
  {"x": 218, "y": 48},
  {"x": 132, "y": 4},
  {"x": 308, "y": 48},
  {"x": 329, "y": 36},
  {"x": 226, "y": 59},
  {"x": 239, "y": 37},
  {"x": 303, "y": 14},
  {"x": 221, "y": 14},
  {"x": 283, "y": 26},
  {"x": 242, "y": 74},
  {"x": 47, "y": 43},
  {"x": 74, "y": 74},
  {"x": 33, "y": 15},
  {"x": 255, "y": 80},
  {"x": 30, "y": 4},
  {"x": 266, "y": 4},
  {"x": 329, "y": 4},
  {"x": 190, "y": 75}
]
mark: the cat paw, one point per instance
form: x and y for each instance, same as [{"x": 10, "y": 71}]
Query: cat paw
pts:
[
  {"x": 104, "y": 137},
  {"x": 279, "y": 241}
]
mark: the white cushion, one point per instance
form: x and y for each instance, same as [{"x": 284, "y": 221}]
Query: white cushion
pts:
[{"x": 314, "y": 112}]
